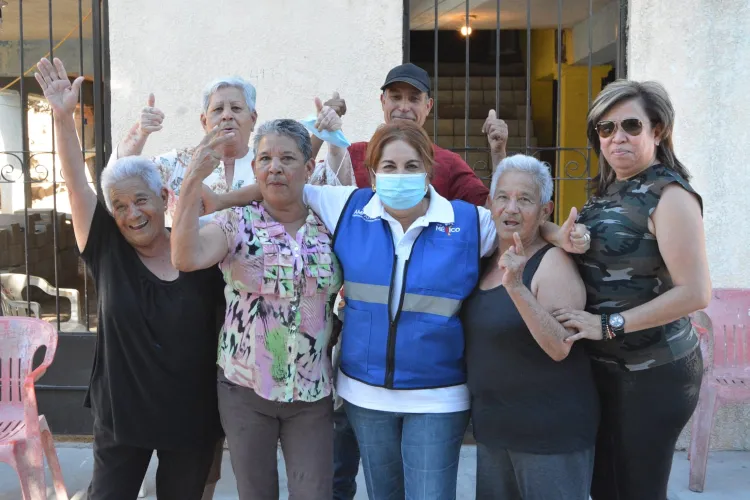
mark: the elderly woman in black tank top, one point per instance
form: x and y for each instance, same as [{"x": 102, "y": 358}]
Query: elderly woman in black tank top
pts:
[
  {"x": 534, "y": 404},
  {"x": 645, "y": 272}
]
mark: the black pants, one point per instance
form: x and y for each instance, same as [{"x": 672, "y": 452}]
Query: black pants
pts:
[
  {"x": 643, "y": 413},
  {"x": 119, "y": 470}
]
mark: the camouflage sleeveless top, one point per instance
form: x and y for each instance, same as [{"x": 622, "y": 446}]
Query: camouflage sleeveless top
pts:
[{"x": 624, "y": 269}]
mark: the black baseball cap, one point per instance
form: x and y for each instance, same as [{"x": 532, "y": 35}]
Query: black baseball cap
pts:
[{"x": 411, "y": 74}]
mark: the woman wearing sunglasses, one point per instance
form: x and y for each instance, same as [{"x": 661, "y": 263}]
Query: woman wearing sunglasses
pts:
[{"x": 645, "y": 272}]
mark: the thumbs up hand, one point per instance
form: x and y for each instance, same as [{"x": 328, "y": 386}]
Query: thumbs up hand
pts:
[
  {"x": 572, "y": 237},
  {"x": 337, "y": 103},
  {"x": 151, "y": 118},
  {"x": 328, "y": 119},
  {"x": 497, "y": 132}
]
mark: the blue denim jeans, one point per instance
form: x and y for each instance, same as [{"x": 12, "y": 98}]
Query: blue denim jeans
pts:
[
  {"x": 411, "y": 456},
  {"x": 345, "y": 457}
]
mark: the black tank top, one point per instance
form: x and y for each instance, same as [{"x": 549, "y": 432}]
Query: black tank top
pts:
[{"x": 521, "y": 399}]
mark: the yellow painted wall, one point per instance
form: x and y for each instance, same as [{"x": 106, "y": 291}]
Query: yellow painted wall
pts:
[
  {"x": 570, "y": 188},
  {"x": 571, "y": 160}
]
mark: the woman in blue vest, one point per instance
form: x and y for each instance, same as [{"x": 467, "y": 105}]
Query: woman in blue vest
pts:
[{"x": 410, "y": 257}]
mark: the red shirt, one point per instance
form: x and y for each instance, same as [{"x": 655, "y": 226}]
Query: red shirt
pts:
[{"x": 452, "y": 178}]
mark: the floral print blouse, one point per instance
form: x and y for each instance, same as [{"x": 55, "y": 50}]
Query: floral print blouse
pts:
[{"x": 280, "y": 293}]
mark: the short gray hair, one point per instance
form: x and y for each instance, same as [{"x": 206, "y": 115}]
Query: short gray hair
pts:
[
  {"x": 231, "y": 81},
  {"x": 128, "y": 167},
  {"x": 285, "y": 128},
  {"x": 529, "y": 165}
]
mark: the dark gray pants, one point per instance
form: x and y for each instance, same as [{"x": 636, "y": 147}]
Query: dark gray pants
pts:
[
  {"x": 254, "y": 426},
  {"x": 509, "y": 475}
]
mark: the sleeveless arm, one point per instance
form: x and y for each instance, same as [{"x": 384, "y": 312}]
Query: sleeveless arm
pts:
[
  {"x": 679, "y": 231},
  {"x": 556, "y": 284}
]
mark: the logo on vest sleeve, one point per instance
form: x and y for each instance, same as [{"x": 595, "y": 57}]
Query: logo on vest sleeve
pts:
[
  {"x": 442, "y": 228},
  {"x": 362, "y": 215}
]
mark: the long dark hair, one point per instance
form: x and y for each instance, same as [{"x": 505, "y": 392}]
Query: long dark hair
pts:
[{"x": 655, "y": 101}]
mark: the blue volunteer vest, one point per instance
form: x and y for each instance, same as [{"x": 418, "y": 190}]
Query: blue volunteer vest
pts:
[{"x": 423, "y": 347}]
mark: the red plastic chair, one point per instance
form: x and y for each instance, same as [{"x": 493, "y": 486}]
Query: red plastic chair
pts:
[
  {"x": 24, "y": 434},
  {"x": 724, "y": 330}
]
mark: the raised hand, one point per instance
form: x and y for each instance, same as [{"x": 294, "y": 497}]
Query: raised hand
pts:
[
  {"x": 328, "y": 119},
  {"x": 512, "y": 263},
  {"x": 572, "y": 237},
  {"x": 151, "y": 118},
  {"x": 60, "y": 93},
  {"x": 496, "y": 131},
  {"x": 206, "y": 156},
  {"x": 337, "y": 103}
]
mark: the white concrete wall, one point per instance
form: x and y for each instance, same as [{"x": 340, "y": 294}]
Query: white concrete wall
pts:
[
  {"x": 700, "y": 50},
  {"x": 291, "y": 50}
]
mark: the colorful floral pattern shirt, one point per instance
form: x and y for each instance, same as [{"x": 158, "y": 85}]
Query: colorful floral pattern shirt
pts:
[{"x": 280, "y": 293}]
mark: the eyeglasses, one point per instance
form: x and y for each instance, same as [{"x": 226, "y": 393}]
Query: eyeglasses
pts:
[{"x": 631, "y": 126}]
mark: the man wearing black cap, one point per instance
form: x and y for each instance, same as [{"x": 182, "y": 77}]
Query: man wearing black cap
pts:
[{"x": 406, "y": 96}]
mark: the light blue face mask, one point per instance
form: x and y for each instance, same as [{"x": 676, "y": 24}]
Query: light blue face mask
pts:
[
  {"x": 401, "y": 191},
  {"x": 336, "y": 137}
]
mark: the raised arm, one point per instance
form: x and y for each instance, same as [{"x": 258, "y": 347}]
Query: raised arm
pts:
[
  {"x": 337, "y": 158},
  {"x": 149, "y": 121},
  {"x": 339, "y": 106},
  {"x": 497, "y": 136},
  {"x": 194, "y": 248},
  {"x": 63, "y": 98}
]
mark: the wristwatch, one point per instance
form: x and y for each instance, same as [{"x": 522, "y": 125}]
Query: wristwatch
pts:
[{"x": 617, "y": 324}]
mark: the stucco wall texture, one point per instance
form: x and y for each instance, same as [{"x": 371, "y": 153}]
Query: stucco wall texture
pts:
[
  {"x": 700, "y": 50},
  {"x": 291, "y": 50}
]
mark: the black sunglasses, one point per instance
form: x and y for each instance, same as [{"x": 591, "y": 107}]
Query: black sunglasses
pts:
[{"x": 631, "y": 126}]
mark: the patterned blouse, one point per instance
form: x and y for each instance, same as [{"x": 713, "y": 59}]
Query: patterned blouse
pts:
[
  {"x": 173, "y": 165},
  {"x": 280, "y": 293}
]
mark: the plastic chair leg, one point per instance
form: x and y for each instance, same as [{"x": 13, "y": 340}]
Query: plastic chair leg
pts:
[
  {"x": 61, "y": 493},
  {"x": 700, "y": 441},
  {"x": 30, "y": 469}
]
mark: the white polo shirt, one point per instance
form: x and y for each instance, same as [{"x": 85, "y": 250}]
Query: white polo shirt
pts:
[{"x": 329, "y": 202}]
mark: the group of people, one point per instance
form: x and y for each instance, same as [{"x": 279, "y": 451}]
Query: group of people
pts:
[{"x": 219, "y": 271}]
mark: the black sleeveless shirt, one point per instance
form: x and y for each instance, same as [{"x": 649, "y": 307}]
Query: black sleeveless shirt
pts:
[{"x": 521, "y": 399}]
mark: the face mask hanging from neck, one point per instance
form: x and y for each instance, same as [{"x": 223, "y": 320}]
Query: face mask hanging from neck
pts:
[{"x": 401, "y": 191}]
